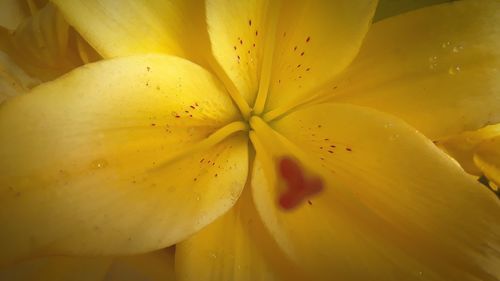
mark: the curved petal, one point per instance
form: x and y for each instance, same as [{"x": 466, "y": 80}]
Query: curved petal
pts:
[
  {"x": 393, "y": 206},
  {"x": 45, "y": 46},
  {"x": 12, "y": 13},
  {"x": 57, "y": 269},
  {"x": 463, "y": 146},
  {"x": 154, "y": 266},
  {"x": 137, "y": 27},
  {"x": 235, "y": 247},
  {"x": 240, "y": 32},
  {"x": 390, "y": 8},
  {"x": 120, "y": 156},
  {"x": 315, "y": 41},
  {"x": 437, "y": 73},
  {"x": 487, "y": 158},
  {"x": 13, "y": 79}
]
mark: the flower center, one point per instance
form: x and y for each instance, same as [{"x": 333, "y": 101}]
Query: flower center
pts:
[{"x": 298, "y": 182}]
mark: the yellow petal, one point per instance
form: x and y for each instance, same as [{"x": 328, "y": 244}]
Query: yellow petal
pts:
[
  {"x": 12, "y": 13},
  {"x": 44, "y": 45},
  {"x": 119, "y": 156},
  {"x": 154, "y": 266},
  {"x": 235, "y": 247},
  {"x": 316, "y": 40},
  {"x": 436, "y": 72},
  {"x": 393, "y": 206},
  {"x": 13, "y": 80},
  {"x": 131, "y": 27},
  {"x": 390, "y": 8},
  {"x": 487, "y": 158},
  {"x": 57, "y": 269},
  {"x": 240, "y": 33},
  {"x": 463, "y": 146}
]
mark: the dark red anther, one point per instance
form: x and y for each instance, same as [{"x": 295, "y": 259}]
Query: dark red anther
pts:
[{"x": 298, "y": 186}]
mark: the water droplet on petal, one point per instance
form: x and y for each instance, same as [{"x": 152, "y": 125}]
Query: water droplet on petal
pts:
[
  {"x": 99, "y": 164},
  {"x": 445, "y": 45},
  {"x": 394, "y": 137},
  {"x": 457, "y": 48},
  {"x": 433, "y": 62},
  {"x": 453, "y": 70},
  {"x": 433, "y": 58}
]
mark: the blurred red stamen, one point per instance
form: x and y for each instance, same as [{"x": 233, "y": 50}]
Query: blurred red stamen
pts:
[{"x": 298, "y": 187}]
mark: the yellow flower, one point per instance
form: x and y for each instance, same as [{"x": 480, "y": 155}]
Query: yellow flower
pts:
[
  {"x": 477, "y": 151},
  {"x": 144, "y": 150}
]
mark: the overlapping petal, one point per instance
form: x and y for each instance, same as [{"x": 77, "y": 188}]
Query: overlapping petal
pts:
[
  {"x": 437, "y": 68},
  {"x": 463, "y": 146},
  {"x": 240, "y": 34},
  {"x": 315, "y": 41},
  {"x": 45, "y": 46},
  {"x": 137, "y": 27},
  {"x": 393, "y": 207},
  {"x": 487, "y": 158},
  {"x": 235, "y": 247},
  {"x": 121, "y": 156},
  {"x": 13, "y": 79},
  {"x": 12, "y": 12},
  {"x": 390, "y": 8}
]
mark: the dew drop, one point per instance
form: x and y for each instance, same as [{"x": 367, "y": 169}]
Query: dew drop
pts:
[
  {"x": 388, "y": 125},
  {"x": 213, "y": 255},
  {"x": 453, "y": 70},
  {"x": 394, "y": 137},
  {"x": 99, "y": 164},
  {"x": 433, "y": 62},
  {"x": 445, "y": 45},
  {"x": 457, "y": 48}
]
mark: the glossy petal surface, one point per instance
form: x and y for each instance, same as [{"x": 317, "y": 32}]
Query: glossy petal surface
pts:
[
  {"x": 236, "y": 247},
  {"x": 437, "y": 68},
  {"x": 237, "y": 32},
  {"x": 315, "y": 41},
  {"x": 393, "y": 207},
  {"x": 121, "y": 156},
  {"x": 114, "y": 29}
]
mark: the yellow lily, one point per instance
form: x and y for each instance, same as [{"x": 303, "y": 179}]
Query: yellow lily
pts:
[
  {"x": 145, "y": 150},
  {"x": 477, "y": 151}
]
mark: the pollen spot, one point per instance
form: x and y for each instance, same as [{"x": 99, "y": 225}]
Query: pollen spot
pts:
[{"x": 298, "y": 186}]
